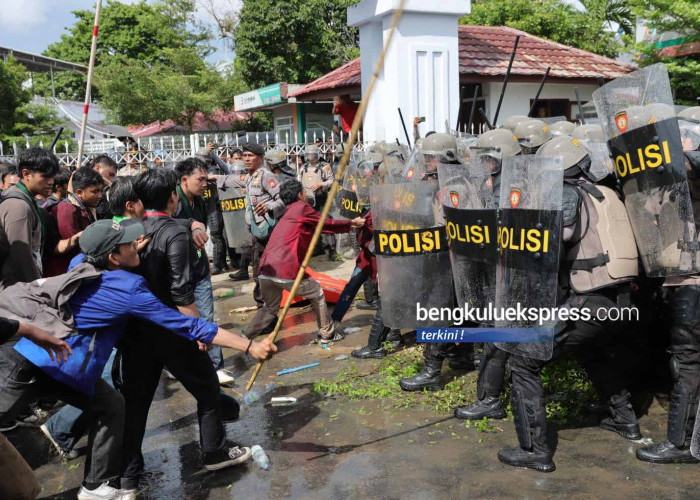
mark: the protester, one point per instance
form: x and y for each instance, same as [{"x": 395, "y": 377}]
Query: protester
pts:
[
  {"x": 192, "y": 173},
  {"x": 8, "y": 176},
  {"x": 281, "y": 260},
  {"x": 347, "y": 109},
  {"x": 21, "y": 219},
  {"x": 167, "y": 265},
  {"x": 60, "y": 186},
  {"x": 73, "y": 216}
]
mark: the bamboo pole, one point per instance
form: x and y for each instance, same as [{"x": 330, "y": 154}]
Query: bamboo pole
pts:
[
  {"x": 336, "y": 184},
  {"x": 91, "y": 70}
]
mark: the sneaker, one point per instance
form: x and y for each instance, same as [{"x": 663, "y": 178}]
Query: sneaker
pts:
[
  {"x": 105, "y": 492},
  {"x": 225, "y": 377},
  {"x": 62, "y": 452},
  {"x": 337, "y": 336},
  {"x": 226, "y": 458}
]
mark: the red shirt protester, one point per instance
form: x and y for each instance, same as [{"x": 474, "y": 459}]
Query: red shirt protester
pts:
[
  {"x": 291, "y": 238},
  {"x": 70, "y": 219},
  {"x": 366, "y": 259},
  {"x": 347, "y": 110}
]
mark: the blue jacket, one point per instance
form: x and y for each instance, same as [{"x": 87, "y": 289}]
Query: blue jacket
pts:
[{"x": 101, "y": 308}]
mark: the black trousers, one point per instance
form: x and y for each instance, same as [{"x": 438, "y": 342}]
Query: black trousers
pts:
[
  {"x": 588, "y": 339},
  {"x": 215, "y": 221},
  {"x": 21, "y": 383},
  {"x": 684, "y": 308},
  {"x": 145, "y": 351},
  {"x": 256, "y": 250}
]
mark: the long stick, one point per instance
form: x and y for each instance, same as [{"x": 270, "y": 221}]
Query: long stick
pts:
[
  {"x": 405, "y": 131},
  {"x": 459, "y": 109},
  {"x": 91, "y": 69},
  {"x": 486, "y": 118},
  {"x": 336, "y": 184},
  {"x": 471, "y": 112},
  {"x": 539, "y": 91},
  {"x": 505, "y": 81},
  {"x": 580, "y": 108}
]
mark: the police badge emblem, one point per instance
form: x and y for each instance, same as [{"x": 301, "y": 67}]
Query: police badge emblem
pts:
[
  {"x": 621, "y": 121},
  {"x": 454, "y": 198},
  {"x": 514, "y": 198}
]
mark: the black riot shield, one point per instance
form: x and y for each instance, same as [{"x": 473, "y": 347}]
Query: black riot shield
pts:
[
  {"x": 639, "y": 120},
  {"x": 472, "y": 228},
  {"x": 529, "y": 241},
  {"x": 233, "y": 205},
  {"x": 413, "y": 259}
]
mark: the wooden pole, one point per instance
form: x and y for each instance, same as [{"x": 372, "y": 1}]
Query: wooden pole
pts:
[
  {"x": 91, "y": 70},
  {"x": 336, "y": 184}
]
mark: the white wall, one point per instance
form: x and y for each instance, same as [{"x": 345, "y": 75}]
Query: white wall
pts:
[
  {"x": 516, "y": 100},
  {"x": 421, "y": 68}
]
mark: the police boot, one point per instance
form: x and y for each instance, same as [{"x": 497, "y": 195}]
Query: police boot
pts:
[
  {"x": 378, "y": 332},
  {"x": 242, "y": 273},
  {"x": 489, "y": 385},
  {"x": 395, "y": 338},
  {"x": 681, "y": 416},
  {"x": 531, "y": 427},
  {"x": 429, "y": 378},
  {"x": 622, "y": 418},
  {"x": 371, "y": 301}
]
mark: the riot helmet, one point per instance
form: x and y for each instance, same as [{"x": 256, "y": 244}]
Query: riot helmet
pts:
[{"x": 532, "y": 134}]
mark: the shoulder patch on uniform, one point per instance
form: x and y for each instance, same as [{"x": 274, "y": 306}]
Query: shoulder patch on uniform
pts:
[{"x": 272, "y": 183}]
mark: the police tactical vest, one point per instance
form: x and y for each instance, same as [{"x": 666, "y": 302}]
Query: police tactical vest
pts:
[{"x": 605, "y": 252}]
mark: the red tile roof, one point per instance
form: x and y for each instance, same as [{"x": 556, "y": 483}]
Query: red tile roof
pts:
[
  {"x": 219, "y": 120},
  {"x": 485, "y": 51}
]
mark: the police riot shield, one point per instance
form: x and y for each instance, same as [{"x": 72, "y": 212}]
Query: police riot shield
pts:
[
  {"x": 413, "y": 259},
  {"x": 414, "y": 169},
  {"x": 472, "y": 228},
  {"x": 347, "y": 205},
  {"x": 638, "y": 119},
  {"x": 529, "y": 241},
  {"x": 233, "y": 205}
]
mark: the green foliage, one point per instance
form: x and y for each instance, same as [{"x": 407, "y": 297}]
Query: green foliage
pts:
[
  {"x": 567, "y": 387},
  {"x": 682, "y": 16},
  {"x": 293, "y": 41},
  {"x": 256, "y": 122},
  {"x": 139, "y": 31},
  {"x": 175, "y": 87},
  {"x": 552, "y": 19},
  {"x": 20, "y": 119}
]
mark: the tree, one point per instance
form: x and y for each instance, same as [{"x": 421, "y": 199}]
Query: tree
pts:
[
  {"x": 683, "y": 17},
  {"x": 551, "y": 19},
  {"x": 612, "y": 12},
  {"x": 174, "y": 88},
  {"x": 293, "y": 41},
  {"x": 128, "y": 32},
  {"x": 20, "y": 119}
]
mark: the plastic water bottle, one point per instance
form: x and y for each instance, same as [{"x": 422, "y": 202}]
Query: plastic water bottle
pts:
[
  {"x": 351, "y": 329},
  {"x": 250, "y": 397},
  {"x": 260, "y": 457}
]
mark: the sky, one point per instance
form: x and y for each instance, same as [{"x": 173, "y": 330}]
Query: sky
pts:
[{"x": 32, "y": 25}]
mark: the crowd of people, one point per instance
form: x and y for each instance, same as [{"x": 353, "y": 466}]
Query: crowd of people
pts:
[{"x": 105, "y": 283}]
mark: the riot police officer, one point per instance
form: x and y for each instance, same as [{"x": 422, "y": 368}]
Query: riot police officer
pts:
[
  {"x": 317, "y": 177},
  {"x": 276, "y": 161}
]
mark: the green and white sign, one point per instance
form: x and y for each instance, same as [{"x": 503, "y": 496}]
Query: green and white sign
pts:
[{"x": 272, "y": 94}]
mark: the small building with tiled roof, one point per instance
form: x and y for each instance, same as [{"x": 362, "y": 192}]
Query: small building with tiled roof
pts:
[{"x": 484, "y": 54}]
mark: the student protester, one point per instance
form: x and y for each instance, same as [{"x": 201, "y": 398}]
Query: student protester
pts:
[
  {"x": 166, "y": 263},
  {"x": 192, "y": 174},
  {"x": 66, "y": 427},
  {"x": 281, "y": 260},
  {"x": 107, "y": 168},
  {"x": 89, "y": 307},
  {"x": 17, "y": 480},
  {"x": 60, "y": 186},
  {"x": 72, "y": 216},
  {"x": 8, "y": 176},
  {"x": 21, "y": 218}
]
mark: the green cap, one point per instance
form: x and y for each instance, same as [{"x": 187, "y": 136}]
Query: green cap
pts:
[{"x": 102, "y": 236}]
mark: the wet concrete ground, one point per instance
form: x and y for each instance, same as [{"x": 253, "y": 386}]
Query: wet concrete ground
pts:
[{"x": 336, "y": 449}]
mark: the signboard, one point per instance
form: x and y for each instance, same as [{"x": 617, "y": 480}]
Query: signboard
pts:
[{"x": 272, "y": 94}]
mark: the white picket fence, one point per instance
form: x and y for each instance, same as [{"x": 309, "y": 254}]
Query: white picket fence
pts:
[{"x": 171, "y": 149}]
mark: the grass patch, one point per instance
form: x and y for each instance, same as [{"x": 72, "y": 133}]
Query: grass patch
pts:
[{"x": 567, "y": 387}]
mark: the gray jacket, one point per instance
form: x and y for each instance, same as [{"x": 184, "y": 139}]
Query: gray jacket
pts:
[{"x": 44, "y": 303}]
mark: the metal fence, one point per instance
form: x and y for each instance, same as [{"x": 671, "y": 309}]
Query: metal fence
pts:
[{"x": 171, "y": 149}]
